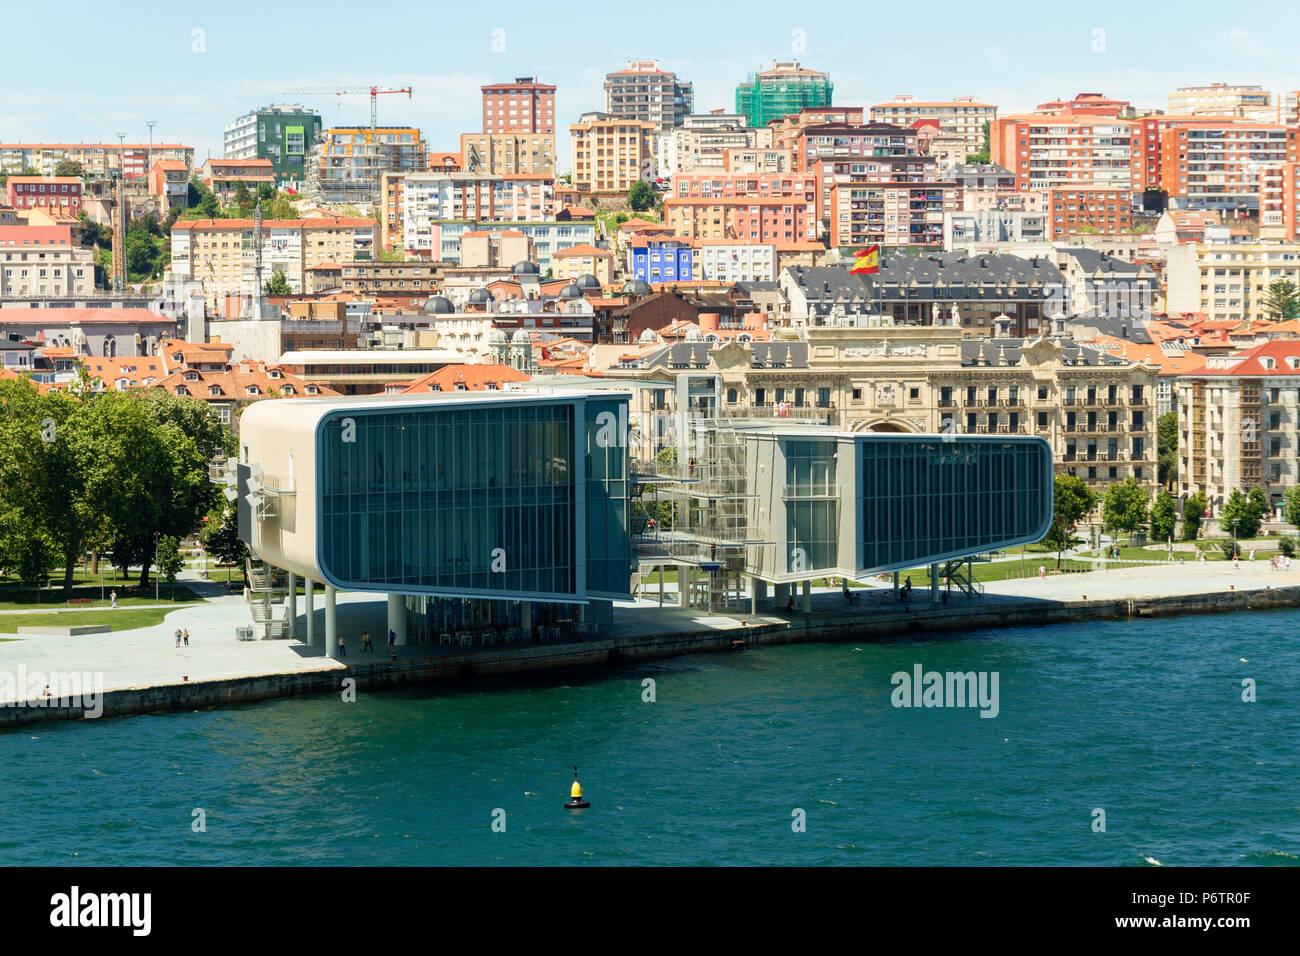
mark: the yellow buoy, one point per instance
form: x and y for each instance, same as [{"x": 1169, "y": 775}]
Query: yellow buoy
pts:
[{"x": 575, "y": 795}]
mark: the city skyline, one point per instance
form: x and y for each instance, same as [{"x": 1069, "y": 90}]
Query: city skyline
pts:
[{"x": 199, "y": 74}]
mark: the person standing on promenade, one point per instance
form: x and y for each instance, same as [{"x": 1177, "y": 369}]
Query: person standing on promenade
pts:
[
  {"x": 178, "y": 637},
  {"x": 112, "y": 598},
  {"x": 343, "y": 647},
  {"x": 365, "y": 641},
  {"x": 1042, "y": 571},
  {"x": 185, "y": 636},
  {"x": 392, "y": 640}
]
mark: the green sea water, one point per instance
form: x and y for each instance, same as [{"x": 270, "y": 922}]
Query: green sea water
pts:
[{"x": 1143, "y": 720}]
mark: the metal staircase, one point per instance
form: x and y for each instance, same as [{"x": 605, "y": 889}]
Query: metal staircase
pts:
[
  {"x": 268, "y": 592},
  {"x": 961, "y": 573}
]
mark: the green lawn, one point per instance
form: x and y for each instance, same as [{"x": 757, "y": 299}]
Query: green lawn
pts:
[
  {"x": 14, "y": 597},
  {"x": 119, "y": 620}
]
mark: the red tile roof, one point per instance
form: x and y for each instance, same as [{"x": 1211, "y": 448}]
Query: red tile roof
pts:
[
  {"x": 1253, "y": 362},
  {"x": 455, "y": 378}
]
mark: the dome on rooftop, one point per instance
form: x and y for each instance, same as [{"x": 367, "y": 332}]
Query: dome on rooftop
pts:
[
  {"x": 570, "y": 291},
  {"x": 636, "y": 287},
  {"x": 525, "y": 268},
  {"x": 480, "y": 297},
  {"x": 520, "y": 336},
  {"x": 587, "y": 282},
  {"x": 496, "y": 336},
  {"x": 648, "y": 337},
  {"x": 438, "y": 305}
]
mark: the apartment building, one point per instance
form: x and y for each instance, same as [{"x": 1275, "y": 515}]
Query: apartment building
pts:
[
  {"x": 430, "y": 197},
  {"x": 801, "y": 185},
  {"x": 1226, "y": 281},
  {"x": 542, "y": 239},
  {"x": 44, "y": 261},
  {"x": 784, "y": 89},
  {"x": 348, "y": 165},
  {"x": 56, "y": 195},
  {"x": 98, "y": 159},
  {"x": 758, "y": 219},
  {"x": 169, "y": 181},
  {"x": 610, "y": 153},
  {"x": 1088, "y": 104},
  {"x": 1216, "y": 165},
  {"x": 1070, "y": 149},
  {"x": 787, "y": 129},
  {"x": 1239, "y": 423},
  {"x": 582, "y": 259},
  {"x": 392, "y": 198},
  {"x": 524, "y": 106},
  {"x": 1089, "y": 208},
  {"x": 702, "y": 142},
  {"x": 832, "y": 171},
  {"x": 642, "y": 91},
  {"x": 889, "y": 214},
  {"x": 283, "y": 134},
  {"x": 873, "y": 140},
  {"x": 1225, "y": 99},
  {"x": 223, "y": 176},
  {"x": 657, "y": 259},
  {"x": 220, "y": 253},
  {"x": 745, "y": 159},
  {"x": 508, "y": 154},
  {"x": 1012, "y": 221},
  {"x": 724, "y": 261},
  {"x": 962, "y": 116},
  {"x": 1279, "y": 200}
]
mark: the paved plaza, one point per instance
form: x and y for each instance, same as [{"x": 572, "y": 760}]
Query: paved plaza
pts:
[{"x": 147, "y": 656}]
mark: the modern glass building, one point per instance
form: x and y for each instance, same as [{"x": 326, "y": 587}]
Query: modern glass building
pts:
[
  {"x": 856, "y": 504},
  {"x": 514, "y": 497}
]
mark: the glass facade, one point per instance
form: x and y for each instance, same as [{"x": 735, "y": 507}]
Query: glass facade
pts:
[
  {"x": 924, "y": 499},
  {"x": 812, "y": 504},
  {"x": 609, "y": 542},
  {"x": 469, "y": 498}
]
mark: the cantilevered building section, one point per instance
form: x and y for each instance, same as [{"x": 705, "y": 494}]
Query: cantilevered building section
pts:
[
  {"x": 519, "y": 499},
  {"x": 784, "y": 500}
]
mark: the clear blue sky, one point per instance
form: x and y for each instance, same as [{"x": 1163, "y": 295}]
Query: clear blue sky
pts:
[{"x": 142, "y": 61}]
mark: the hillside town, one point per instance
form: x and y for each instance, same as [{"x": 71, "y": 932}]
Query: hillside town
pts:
[{"x": 1121, "y": 279}]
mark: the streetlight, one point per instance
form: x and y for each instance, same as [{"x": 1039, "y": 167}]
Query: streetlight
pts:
[{"x": 156, "y": 598}]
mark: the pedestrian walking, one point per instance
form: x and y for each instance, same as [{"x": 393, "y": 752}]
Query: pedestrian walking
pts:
[
  {"x": 365, "y": 641},
  {"x": 343, "y": 647},
  {"x": 392, "y": 639},
  {"x": 1042, "y": 571},
  {"x": 185, "y": 636},
  {"x": 178, "y": 637},
  {"x": 112, "y": 598}
]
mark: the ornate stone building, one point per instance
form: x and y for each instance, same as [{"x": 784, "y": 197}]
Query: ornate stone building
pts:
[{"x": 1096, "y": 410}]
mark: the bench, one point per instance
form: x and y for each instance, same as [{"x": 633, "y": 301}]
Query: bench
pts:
[{"x": 81, "y": 602}]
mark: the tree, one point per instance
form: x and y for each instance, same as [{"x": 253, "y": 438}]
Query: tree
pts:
[
  {"x": 983, "y": 155},
  {"x": 221, "y": 536},
  {"x": 1194, "y": 509},
  {"x": 1125, "y": 506},
  {"x": 1071, "y": 500},
  {"x": 170, "y": 560},
  {"x": 1281, "y": 300},
  {"x": 1259, "y": 498},
  {"x": 265, "y": 191},
  {"x": 1163, "y": 516},
  {"x": 1240, "y": 516},
  {"x": 70, "y": 167},
  {"x": 1291, "y": 505},
  {"x": 641, "y": 197},
  {"x": 243, "y": 198},
  {"x": 1167, "y": 449},
  {"x": 277, "y": 284}
]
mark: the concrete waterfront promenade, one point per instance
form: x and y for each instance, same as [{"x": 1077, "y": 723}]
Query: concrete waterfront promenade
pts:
[{"x": 143, "y": 671}]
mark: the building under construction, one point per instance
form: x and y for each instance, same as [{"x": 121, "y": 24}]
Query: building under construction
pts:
[{"x": 346, "y": 164}]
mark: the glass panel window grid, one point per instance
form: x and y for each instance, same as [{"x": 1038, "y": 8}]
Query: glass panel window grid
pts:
[
  {"x": 922, "y": 499},
  {"x": 459, "y": 498}
]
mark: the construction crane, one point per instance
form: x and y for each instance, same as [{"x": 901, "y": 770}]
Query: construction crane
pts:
[{"x": 374, "y": 92}]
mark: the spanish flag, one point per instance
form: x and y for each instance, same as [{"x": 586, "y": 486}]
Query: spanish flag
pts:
[{"x": 866, "y": 261}]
